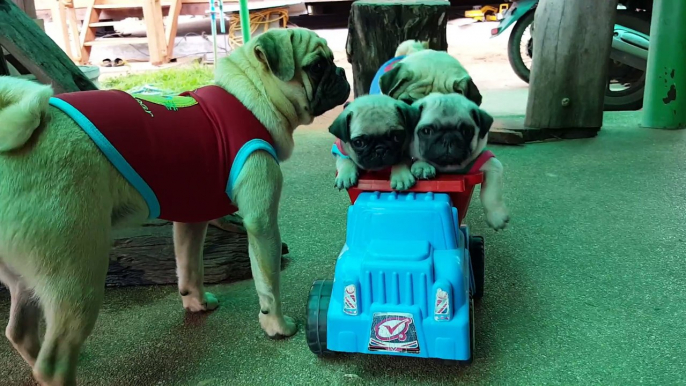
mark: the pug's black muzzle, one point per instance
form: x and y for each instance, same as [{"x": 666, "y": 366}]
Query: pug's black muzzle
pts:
[
  {"x": 333, "y": 91},
  {"x": 378, "y": 157}
]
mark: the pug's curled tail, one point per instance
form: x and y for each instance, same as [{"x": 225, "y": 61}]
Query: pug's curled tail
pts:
[
  {"x": 22, "y": 105},
  {"x": 411, "y": 46}
]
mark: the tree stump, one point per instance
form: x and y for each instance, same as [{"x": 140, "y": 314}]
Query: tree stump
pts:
[
  {"x": 572, "y": 41},
  {"x": 145, "y": 255},
  {"x": 377, "y": 27},
  {"x": 30, "y": 46}
]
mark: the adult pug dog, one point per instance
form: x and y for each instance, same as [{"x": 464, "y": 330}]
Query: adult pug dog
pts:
[
  {"x": 75, "y": 166},
  {"x": 416, "y": 72},
  {"x": 374, "y": 132},
  {"x": 451, "y": 137}
]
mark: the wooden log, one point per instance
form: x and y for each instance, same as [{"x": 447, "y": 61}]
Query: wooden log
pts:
[
  {"x": 572, "y": 41},
  {"x": 28, "y": 44},
  {"x": 145, "y": 255},
  {"x": 377, "y": 27}
]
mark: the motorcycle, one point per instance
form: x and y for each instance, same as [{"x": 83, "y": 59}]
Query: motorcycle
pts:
[{"x": 628, "y": 56}]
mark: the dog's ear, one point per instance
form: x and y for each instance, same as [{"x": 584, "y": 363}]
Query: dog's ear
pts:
[
  {"x": 482, "y": 119},
  {"x": 393, "y": 79},
  {"x": 468, "y": 89},
  {"x": 274, "y": 49},
  {"x": 340, "y": 127},
  {"x": 410, "y": 115}
]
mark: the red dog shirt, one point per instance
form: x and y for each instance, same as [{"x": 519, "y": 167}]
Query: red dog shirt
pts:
[{"x": 183, "y": 153}]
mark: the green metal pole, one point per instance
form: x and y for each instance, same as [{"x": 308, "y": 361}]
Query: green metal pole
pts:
[
  {"x": 245, "y": 20},
  {"x": 664, "y": 103}
]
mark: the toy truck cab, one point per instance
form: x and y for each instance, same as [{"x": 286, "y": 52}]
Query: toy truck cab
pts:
[{"x": 406, "y": 277}]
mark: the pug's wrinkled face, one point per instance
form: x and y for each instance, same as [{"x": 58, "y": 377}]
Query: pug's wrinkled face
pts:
[
  {"x": 426, "y": 72},
  {"x": 300, "y": 65},
  {"x": 375, "y": 131},
  {"x": 452, "y": 131}
]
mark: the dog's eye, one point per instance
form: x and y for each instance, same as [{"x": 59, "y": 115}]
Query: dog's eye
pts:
[
  {"x": 396, "y": 138},
  {"x": 426, "y": 130},
  {"x": 358, "y": 142},
  {"x": 318, "y": 67}
]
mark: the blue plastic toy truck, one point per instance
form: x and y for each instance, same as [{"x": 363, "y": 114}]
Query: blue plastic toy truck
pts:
[{"x": 408, "y": 274}]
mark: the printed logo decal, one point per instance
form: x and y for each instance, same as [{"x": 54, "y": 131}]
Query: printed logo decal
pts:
[
  {"x": 393, "y": 332},
  {"x": 442, "y": 306},
  {"x": 350, "y": 300},
  {"x": 170, "y": 102}
]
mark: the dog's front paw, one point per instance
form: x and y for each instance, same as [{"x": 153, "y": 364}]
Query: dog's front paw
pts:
[
  {"x": 423, "y": 170},
  {"x": 346, "y": 178},
  {"x": 498, "y": 217},
  {"x": 192, "y": 303},
  {"x": 278, "y": 327},
  {"x": 402, "y": 179}
]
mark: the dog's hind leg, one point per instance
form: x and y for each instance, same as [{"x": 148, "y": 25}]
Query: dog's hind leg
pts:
[
  {"x": 189, "y": 240},
  {"x": 25, "y": 314},
  {"x": 71, "y": 298},
  {"x": 257, "y": 192}
]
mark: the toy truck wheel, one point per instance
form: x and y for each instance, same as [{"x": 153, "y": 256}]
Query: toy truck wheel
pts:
[
  {"x": 317, "y": 309},
  {"x": 478, "y": 255},
  {"x": 472, "y": 341}
]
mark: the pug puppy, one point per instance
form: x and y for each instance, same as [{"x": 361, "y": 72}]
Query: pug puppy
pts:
[
  {"x": 410, "y": 47},
  {"x": 373, "y": 133},
  {"x": 451, "y": 137},
  {"x": 423, "y": 72},
  {"x": 74, "y": 167}
]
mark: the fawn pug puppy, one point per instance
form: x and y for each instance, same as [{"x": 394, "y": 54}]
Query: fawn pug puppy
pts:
[
  {"x": 74, "y": 166},
  {"x": 451, "y": 137},
  {"x": 373, "y": 133},
  {"x": 417, "y": 71}
]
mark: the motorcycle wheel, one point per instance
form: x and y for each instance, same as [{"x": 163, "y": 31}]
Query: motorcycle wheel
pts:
[
  {"x": 626, "y": 84},
  {"x": 520, "y": 47}
]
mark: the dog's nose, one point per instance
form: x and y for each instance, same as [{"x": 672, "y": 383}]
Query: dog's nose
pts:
[
  {"x": 340, "y": 72},
  {"x": 380, "y": 151}
]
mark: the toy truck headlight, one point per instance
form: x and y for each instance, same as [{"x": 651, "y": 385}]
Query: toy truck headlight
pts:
[
  {"x": 350, "y": 300},
  {"x": 442, "y": 305}
]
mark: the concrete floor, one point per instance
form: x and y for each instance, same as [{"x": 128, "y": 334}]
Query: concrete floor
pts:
[{"x": 585, "y": 287}]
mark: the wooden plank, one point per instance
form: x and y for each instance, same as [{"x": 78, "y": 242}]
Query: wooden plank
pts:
[
  {"x": 572, "y": 42},
  {"x": 116, "y": 41},
  {"x": 515, "y": 132},
  {"x": 88, "y": 34},
  {"x": 170, "y": 33},
  {"x": 145, "y": 256},
  {"x": 59, "y": 17},
  {"x": 152, "y": 24},
  {"x": 24, "y": 40}
]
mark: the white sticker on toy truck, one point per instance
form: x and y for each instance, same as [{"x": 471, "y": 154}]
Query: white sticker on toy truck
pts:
[
  {"x": 350, "y": 300},
  {"x": 442, "y": 306},
  {"x": 393, "y": 332}
]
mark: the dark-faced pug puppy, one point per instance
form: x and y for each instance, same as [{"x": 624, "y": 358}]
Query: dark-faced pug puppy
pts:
[
  {"x": 451, "y": 137},
  {"x": 374, "y": 133},
  {"x": 423, "y": 72}
]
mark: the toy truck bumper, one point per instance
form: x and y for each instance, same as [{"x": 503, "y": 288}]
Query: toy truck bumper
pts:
[{"x": 399, "y": 330}]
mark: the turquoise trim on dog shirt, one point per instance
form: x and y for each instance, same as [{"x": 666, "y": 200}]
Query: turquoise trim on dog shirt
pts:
[
  {"x": 112, "y": 155},
  {"x": 250, "y": 147}
]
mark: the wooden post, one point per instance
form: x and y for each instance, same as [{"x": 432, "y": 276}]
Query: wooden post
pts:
[
  {"x": 377, "y": 27},
  {"x": 29, "y": 45},
  {"x": 572, "y": 41}
]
